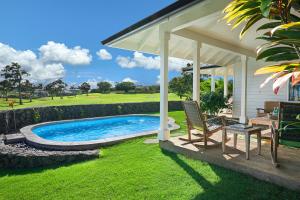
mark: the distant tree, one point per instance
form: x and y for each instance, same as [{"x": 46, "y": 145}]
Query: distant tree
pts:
[
  {"x": 182, "y": 85},
  {"x": 29, "y": 87},
  {"x": 85, "y": 88},
  {"x": 5, "y": 87},
  {"x": 61, "y": 86},
  {"x": 74, "y": 90},
  {"x": 15, "y": 74},
  {"x": 125, "y": 86},
  {"x": 104, "y": 87},
  {"x": 56, "y": 88}
]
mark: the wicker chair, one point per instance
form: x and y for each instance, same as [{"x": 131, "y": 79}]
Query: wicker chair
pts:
[
  {"x": 197, "y": 121},
  {"x": 285, "y": 135}
]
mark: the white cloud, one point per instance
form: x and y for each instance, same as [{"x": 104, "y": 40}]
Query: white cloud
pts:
[
  {"x": 149, "y": 62},
  {"x": 41, "y": 68},
  {"x": 128, "y": 79},
  {"x": 104, "y": 54},
  {"x": 158, "y": 80},
  {"x": 93, "y": 83},
  {"x": 59, "y": 52}
]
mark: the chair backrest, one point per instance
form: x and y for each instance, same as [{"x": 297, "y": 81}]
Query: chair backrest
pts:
[
  {"x": 194, "y": 116},
  {"x": 287, "y": 115},
  {"x": 270, "y": 105}
]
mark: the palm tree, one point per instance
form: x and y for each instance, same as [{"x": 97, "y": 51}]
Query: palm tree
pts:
[{"x": 281, "y": 35}]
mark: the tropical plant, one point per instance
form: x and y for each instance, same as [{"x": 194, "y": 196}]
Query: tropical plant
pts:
[
  {"x": 125, "y": 86},
  {"x": 85, "y": 88},
  {"x": 104, "y": 86},
  {"x": 281, "y": 35},
  {"x": 213, "y": 102}
]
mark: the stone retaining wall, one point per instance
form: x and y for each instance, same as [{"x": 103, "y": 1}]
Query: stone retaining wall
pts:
[
  {"x": 21, "y": 156},
  {"x": 28, "y": 116}
]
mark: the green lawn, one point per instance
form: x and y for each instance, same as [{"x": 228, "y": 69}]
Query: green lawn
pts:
[
  {"x": 134, "y": 170},
  {"x": 94, "y": 98}
]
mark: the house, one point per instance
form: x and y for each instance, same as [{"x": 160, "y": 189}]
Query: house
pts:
[{"x": 194, "y": 30}]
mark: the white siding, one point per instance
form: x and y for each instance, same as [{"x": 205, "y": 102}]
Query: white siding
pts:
[
  {"x": 256, "y": 96},
  {"x": 237, "y": 91}
]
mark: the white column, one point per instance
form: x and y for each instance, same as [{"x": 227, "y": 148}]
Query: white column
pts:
[
  {"x": 243, "y": 117},
  {"x": 226, "y": 82},
  {"x": 213, "y": 83},
  {"x": 196, "y": 71},
  {"x": 164, "y": 132}
]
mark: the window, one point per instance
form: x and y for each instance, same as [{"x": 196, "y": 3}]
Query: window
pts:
[{"x": 294, "y": 92}]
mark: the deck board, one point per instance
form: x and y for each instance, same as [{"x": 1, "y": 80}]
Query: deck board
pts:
[{"x": 259, "y": 166}]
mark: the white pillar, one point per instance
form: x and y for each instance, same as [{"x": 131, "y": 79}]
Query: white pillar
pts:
[
  {"x": 213, "y": 83},
  {"x": 226, "y": 82},
  {"x": 196, "y": 71},
  {"x": 243, "y": 117},
  {"x": 164, "y": 132}
]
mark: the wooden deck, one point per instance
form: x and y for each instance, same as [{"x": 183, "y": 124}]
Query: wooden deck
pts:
[{"x": 259, "y": 166}]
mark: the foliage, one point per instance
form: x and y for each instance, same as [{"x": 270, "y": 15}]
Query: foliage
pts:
[
  {"x": 15, "y": 74},
  {"x": 182, "y": 85},
  {"x": 104, "y": 87},
  {"x": 11, "y": 103},
  {"x": 5, "y": 87},
  {"x": 36, "y": 115},
  {"x": 85, "y": 88},
  {"x": 29, "y": 87},
  {"x": 281, "y": 35},
  {"x": 56, "y": 88},
  {"x": 125, "y": 86},
  {"x": 147, "y": 89},
  {"x": 213, "y": 102},
  {"x": 132, "y": 166}
]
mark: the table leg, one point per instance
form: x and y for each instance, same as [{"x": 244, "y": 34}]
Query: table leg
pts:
[
  {"x": 224, "y": 136},
  {"x": 247, "y": 141},
  {"x": 259, "y": 142},
  {"x": 234, "y": 140}
]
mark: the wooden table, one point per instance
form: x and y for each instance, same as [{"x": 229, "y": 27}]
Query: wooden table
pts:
[
  {"x": 264, "y": 121},
  {"x": 242, "y": 131}
]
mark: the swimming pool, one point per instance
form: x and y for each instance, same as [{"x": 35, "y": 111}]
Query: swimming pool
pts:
[{"x": 91, "y": 133}]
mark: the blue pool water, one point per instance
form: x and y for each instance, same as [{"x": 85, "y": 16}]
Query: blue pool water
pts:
[{"x": 95, "y": 129}]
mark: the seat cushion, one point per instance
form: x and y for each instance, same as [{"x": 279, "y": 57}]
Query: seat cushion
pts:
[
  {"x": 289, "y": 143},
  {"x": 290, "y": 136}
]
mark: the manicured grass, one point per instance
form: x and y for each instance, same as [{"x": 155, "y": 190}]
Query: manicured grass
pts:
[
  {"x": 134, "y": 170},
  {"x": 94, "y": 98}
]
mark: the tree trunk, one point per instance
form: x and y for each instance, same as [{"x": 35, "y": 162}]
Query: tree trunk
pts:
[
  {"x": 20, "y": 95},
  {"x": 52, "y": 96},
  {"x": 6, "y": 95},
  {"x": 30, "y": 98}
]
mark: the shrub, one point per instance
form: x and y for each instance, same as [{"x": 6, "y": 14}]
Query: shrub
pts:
[{"x": 213, "y": 102}]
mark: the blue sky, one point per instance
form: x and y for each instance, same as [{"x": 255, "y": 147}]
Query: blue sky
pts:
[{"x": 31, "y": 24}]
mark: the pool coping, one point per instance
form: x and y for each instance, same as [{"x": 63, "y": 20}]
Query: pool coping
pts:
[{"x": 38, "y": 142}]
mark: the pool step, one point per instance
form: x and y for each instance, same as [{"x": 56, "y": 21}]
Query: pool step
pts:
[{"x": 14, "y": 138}]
